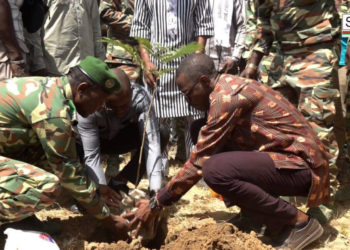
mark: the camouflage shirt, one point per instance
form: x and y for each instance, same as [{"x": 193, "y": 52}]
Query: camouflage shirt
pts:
[
  {"x": 295, "y": 24},
  {"x": 36, "y": 115},
  {"x": 250, "y": 28},
  {"x": 118, "y": 15}
]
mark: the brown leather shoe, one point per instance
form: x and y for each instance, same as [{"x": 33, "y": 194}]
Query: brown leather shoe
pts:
[{"x": 298, "y": 238}]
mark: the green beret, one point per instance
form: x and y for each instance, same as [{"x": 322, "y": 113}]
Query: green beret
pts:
[{"x": 99, "y": 73}]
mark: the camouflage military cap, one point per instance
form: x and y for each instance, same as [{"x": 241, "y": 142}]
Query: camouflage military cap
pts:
[{"x": 99, "y": 73}]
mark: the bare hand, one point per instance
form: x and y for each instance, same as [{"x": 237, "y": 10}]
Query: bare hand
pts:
[
  {"x": 110, "y": 197},
  {"x": 149, "y": 75},
  {"x": 118, "y": 226},
  {"x": 143, "y": 218},
  {"x": 250, "y": 73},
  {"x": 18, "y": 70},
  {"x": 229, "y": 67}
]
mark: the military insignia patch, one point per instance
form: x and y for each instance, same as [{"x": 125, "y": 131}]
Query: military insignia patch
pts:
[{"x": 110, "y": 83}]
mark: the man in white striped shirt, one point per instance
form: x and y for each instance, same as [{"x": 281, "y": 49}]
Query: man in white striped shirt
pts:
[
  {"x": 171, "y": 24},
  {"x": 228, "y": 43}
]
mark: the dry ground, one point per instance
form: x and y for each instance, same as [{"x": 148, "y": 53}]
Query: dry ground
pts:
[{"x": 196, "y": 209}]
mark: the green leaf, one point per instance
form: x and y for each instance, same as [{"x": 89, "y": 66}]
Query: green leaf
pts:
[
  {"x": 162, "y": 54},
  {"x": 181, "y": 52}
]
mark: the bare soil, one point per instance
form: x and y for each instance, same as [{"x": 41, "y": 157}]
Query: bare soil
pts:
[{"x": 192, "y": 224}]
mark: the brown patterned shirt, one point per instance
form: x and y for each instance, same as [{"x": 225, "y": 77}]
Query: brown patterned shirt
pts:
[{"x": 245, "y": 115}]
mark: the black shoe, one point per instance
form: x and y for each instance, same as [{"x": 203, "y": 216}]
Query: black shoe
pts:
[
  {"x": 34, "y": 224},
  {"x": 298, "y": 238}
]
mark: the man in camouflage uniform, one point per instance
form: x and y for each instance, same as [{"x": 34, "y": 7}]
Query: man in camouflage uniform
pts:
[
  {"x": 267, "y": 61},
  {"x": 117, "y": 15},
  {"x": 37, "y": 115},
  {"x": 305, "y": 32}
]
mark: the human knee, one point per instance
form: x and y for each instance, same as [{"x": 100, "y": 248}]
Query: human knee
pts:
[
  {"x": 213, "y": 170},
  {"x": 51, "y": 189}
]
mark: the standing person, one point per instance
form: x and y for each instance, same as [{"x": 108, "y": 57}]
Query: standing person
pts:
[
  {"x": 228, "y": 43},
  {"x": 71, "y": 32},
  {"x": 37, "y": 146},
  {"x": 306, "y": 32},
  {"x": 12, "y": 43},
  {"x": 171, "y": 24},
  {"x": 253, "y": 147},
  {"x": 118, "y": 15}
]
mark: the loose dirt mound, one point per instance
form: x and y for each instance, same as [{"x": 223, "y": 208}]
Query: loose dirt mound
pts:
[
  {"x": 215, "y": 237},
  {"x": 207, "y": 237}
]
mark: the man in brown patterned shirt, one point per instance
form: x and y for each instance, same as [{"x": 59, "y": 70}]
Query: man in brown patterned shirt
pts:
[{"x": 254, "y": 147}]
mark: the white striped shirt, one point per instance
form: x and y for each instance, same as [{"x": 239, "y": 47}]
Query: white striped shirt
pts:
[
  {"x": 236, "y": 34},
  {"x": 194, "y": 18}
]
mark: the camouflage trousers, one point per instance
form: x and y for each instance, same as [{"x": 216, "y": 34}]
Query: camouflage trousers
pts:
[
  {"x": 24, "y": 189},
  {"x": 132, "y": 71},
  {"x": 310, "y": 82},
  {"x": 266, "y": 62},
  {"x": 265, "y": 65}
]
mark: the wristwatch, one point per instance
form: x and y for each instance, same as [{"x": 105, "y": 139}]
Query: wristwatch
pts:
[{"x": 153, "y": 204}]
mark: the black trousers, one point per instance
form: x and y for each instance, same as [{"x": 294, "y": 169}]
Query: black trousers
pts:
[{"x": 251, "y": 181}]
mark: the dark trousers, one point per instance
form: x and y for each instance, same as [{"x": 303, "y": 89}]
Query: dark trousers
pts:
[
  {"x": 251, "y": 181},
  {"x": 127, "y": 140}
]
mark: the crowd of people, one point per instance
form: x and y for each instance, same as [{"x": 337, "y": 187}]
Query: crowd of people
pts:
[{"x": 263, "y": 101}]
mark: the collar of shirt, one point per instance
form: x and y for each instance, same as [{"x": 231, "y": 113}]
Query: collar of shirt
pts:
[{"x": 67, "y": 91}]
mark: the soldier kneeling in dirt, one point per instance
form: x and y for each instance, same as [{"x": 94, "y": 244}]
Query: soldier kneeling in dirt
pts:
[
  {"x": 253, "y": 147},
  {"x": 37, "y": 115},
  {"x": 118, "y": 129}
]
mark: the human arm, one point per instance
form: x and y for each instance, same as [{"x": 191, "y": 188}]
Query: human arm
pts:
[
  {"x": 9, "y": 40},
  {"x": 263, "y": 40},
  {"x": 203, "y": 22},
  {"x": 239, "y": 35},
  {"x": 118, "y": 21},
  {"x": 149, "y": 69},
  {"x": 37, "y": 66},
  {"x": 90, "y": 140},
  {"x": 100, "y": 51},
  {"x": 57, "y": 140},
  {"x": 201, "y": 40},
  {"x": 141, "y": 27}
]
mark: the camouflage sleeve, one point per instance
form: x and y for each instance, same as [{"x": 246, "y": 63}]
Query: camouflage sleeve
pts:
[
  {"x": 57, "y": 139},
  {"x": 345, "y": 7},
  {"x": 251, "y": 24},
  {"x": 100, "y": 51},
  {"x": 264, "y": 36},
  {"x": 114, "y": 18}
]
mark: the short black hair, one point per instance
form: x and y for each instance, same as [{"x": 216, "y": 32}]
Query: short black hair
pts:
[
  {"x": 77, "y": 77},
  {"x": 196, "y": 65}
]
